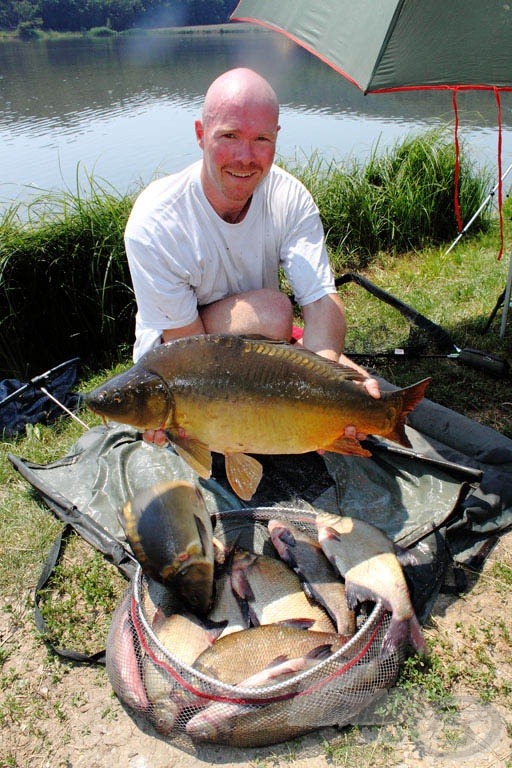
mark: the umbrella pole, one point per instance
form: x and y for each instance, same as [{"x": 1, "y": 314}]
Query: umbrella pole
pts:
[{"x": 478, "y": 212}]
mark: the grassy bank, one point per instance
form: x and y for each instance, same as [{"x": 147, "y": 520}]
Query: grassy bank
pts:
[
  {"x": 64, "y": 283},
  {"x": 47, "y": 705}
]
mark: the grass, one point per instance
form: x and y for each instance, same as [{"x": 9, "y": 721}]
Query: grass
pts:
[
  {"x": 469, "y": 657},
  {"x": 398, "y": 200},
  {"x": 71, "y": 244}
]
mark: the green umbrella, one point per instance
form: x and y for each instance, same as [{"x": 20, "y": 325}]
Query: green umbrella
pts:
[
  {"x": 383, "y": 45},
  {"x": 399, "y": 45}
]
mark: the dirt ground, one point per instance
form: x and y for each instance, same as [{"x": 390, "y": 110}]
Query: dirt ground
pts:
[{"x": 61, "y": 715}]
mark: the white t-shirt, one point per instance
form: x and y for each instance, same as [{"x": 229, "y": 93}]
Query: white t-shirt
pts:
[{"x": 182, "y": 254}]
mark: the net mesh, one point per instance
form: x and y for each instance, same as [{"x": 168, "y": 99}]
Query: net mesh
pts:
[{"x": 180, "y": 701}]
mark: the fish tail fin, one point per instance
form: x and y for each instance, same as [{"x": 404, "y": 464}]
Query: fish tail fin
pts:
[
  {"x": 401, "y": 630},
  {"x": 397, "y": 634},
  {"x": 411, "y": 396},
  {"x": 416, "y": 636}
]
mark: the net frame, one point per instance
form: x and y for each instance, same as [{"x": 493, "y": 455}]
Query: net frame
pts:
[{"x": 332, "y": 692}]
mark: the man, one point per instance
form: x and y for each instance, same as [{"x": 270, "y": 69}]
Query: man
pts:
[{"x": 205, "y": 245}]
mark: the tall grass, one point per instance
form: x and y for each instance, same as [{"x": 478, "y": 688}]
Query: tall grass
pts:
[
  {"x": 65, "y": 289},
  {"x": 399, "y": 200},
  {"x": 64, "y": 285}
]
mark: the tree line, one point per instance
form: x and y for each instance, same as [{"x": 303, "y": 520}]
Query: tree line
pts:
[{"x": 118, "y": 15}]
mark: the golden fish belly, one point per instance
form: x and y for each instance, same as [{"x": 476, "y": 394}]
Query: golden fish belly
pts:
[{"x": 270, "y": 425}]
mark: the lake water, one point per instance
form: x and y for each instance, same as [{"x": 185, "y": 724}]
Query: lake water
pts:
[{"x": 123, "y": 110}]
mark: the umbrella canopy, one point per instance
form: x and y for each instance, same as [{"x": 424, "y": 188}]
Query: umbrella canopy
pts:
[{"x": 398, "y": 44}]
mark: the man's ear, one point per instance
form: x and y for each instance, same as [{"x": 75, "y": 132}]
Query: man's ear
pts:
[{"x": 198, "y": 125}]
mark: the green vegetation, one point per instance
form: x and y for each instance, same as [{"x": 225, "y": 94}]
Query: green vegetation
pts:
[
  {"x": 65, "y": 288},
  {"x": 81, "y": 286},
  {"x": 397, "y": 201},
  {"x": 64, "y": 284},
  {"x": 28, "y": 17}
]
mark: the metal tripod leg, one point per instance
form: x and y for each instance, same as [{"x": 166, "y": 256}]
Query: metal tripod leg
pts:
[{"x": 506, "y": 298}]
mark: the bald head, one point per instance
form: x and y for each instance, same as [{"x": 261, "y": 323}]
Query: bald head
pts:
[
  {"x": 242, "y": 88},
  {"x": 238, "y": 136}
]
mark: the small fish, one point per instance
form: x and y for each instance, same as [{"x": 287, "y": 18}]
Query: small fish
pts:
[
  {"x": 186, "y": 637},
  {"x": 230, "y": 722},
  {"x": 122, "y": 660},
  {"x": 366, "y": 558},
  {"x": 274, "y": 593},
  {"x": 226, "y": 608},
  {"x": 240, "y": 655},
  {"x": 304, "y": 555},
  {"x": 238, "y": 396},
  {"x": 169, "y": 529}
]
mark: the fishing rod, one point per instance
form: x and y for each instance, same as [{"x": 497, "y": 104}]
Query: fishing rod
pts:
[
  {"x": 482, "y": 361},
  {"x": 38, "y": 382}
]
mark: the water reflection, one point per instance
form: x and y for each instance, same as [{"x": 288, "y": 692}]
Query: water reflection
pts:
[{"x": 124, "y": 108}]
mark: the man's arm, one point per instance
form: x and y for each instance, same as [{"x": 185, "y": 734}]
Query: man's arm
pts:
[{"x": 324, "y": 333}]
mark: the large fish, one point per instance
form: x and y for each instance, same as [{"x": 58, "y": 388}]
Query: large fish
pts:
[
  {"x": 334, "y": 699},
  {"x": 232, "y": 721},
  {"x": 169, "y": 530},
  {"x": 320, "y": 581},
  {"x": 236, "y": 396},
  {"x": 238, "y": 656},
  {"x": 367, "y": 560},
  {"x": 273, "y": 592}
]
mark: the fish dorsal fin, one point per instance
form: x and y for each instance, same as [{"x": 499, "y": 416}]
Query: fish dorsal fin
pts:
[
  {"x": 244, "y": 474},
  {"x": 195, "y": 453},
  {"x": 347, "y": 446}
]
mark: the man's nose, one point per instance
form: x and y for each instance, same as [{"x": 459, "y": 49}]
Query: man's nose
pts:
[{"x": 245, "y": 151}]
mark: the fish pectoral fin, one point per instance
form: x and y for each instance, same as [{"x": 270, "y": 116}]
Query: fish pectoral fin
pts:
[
  {"x": 405, "y": 556},
  {"x": 348, "y": 446},
  {"x": 195, "y": 453},
  {"x": 244, "y": 474},
  {"x": 296, "y": 623},
  {"x": 206, "y": 541}
]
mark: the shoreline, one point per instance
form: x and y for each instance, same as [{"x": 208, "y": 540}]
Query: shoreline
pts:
[{"x": 206, "y": 29}]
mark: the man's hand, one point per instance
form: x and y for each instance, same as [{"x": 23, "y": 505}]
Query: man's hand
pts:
[
  {"x": 155, "y": 437},
  {"x": 372, "y": 387}
]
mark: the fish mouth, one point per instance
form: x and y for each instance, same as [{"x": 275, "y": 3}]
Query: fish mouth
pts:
[
  {"x": 194, "y": 584},
  {"x": 136, "y": 397}
]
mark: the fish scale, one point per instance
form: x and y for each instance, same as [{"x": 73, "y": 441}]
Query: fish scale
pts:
[{"x": 238, "y": 396}]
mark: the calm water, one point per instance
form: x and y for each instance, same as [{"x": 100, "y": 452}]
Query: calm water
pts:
[{"x": 123, "y": 110}]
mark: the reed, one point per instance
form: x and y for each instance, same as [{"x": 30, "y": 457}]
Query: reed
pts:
[
  {"x": 65, "y": 288},
  {"x": 399, "y": 200}
]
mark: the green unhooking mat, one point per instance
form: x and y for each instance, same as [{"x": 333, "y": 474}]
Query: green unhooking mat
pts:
[{"x": 448, "y": 497}]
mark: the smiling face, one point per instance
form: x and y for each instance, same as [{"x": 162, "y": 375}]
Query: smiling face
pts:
[{"x": 238, "y": 136}]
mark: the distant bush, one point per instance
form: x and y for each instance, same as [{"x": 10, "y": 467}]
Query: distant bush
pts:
[
  {"x": 101, "y": 32},
  {"x": 28, "y": 30}
]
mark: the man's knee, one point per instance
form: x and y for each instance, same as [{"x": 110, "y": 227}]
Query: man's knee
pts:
[
  {"x": 275, "y": 314},
  {"x": 264, "y": 311}
]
